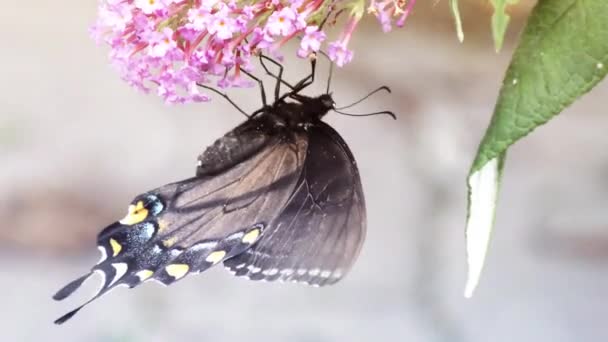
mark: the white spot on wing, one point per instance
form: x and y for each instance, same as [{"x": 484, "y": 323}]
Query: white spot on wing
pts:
[
  {"x": 337, "y": 273},
  {"x": 287, "y": 272},
  {"x": 270, "y": 272},
  {"x": 148, "y": 230},
  {"x": 253, "y": 269},
  {"x": 104, "y": 254},
  {"x": 314, "y": 272},
  {"x": 121, "y": 269},
  {"x": 325, "y": 274},
  {"x": 103, "y": 280},
  {"x": 157, "y": 204},
  {"x": 202, "y": 246},
  {"x": 175, "y": 252}
]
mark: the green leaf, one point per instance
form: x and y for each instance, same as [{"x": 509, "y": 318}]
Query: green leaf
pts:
[
  {"x": 562, "y": 54},
  {"x": 457, "y": 19},
  {"x": 500, "y": 21}
]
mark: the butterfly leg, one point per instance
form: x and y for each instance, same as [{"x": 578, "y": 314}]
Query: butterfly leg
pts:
[
  {"x": 331, "y": 67},
  {"x": 261, "y": 84},
  {"x": 308, "y": 80},
  {"x": 279, "y": 78},
  {"x": 225, "y": 96},
  {"x": 305, "y": 82}
]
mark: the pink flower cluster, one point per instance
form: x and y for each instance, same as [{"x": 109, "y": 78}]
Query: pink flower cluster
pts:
[
  {"x": 386, "y": 10},
  {"x": 171, "y": 46}
]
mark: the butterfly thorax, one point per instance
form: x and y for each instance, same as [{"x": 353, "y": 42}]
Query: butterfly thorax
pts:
[{"x": 303, "y": 111}]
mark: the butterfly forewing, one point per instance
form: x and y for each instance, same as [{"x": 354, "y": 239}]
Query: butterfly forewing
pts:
[{"x": 242, "y": 196}]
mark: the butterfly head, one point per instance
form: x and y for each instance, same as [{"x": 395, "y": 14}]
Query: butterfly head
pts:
[
  {"x": 314, "y": 108},
  {"x": 327, "y": 102}
]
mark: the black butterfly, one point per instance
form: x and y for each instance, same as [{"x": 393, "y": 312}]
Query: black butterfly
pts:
[{"x": 277, "y": 198}]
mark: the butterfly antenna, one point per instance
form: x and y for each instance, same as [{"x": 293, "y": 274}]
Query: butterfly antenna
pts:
[
  {"x": 384, "y": 112},
  {"x": 365, "y": 97},
  {"x": 225, "y": 96}
]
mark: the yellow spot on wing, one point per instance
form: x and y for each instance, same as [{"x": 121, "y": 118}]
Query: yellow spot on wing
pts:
[
  {"x": 144, "y": 274},
  {"x": 216, "y": 257},
  {"x": 251, "y": 237},
  {"x": 162, "y": 225},
  {"x": 116, "y": 247},
  {"x": 136, "y": 214},
  {"x": 169, "y": 242},
  {"x": 177, "y": 270}
]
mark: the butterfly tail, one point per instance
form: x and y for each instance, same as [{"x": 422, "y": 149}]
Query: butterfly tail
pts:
[
  {"x": 71, "y": 314},
  {"x": 70, "y": 288},
  {"x": 108, "y": 282}
]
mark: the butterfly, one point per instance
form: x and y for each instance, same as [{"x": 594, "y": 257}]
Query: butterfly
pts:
[{"x": 279, "y": 197}]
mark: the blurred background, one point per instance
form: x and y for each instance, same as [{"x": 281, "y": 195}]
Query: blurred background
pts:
[{"x": 77, "y": 144}]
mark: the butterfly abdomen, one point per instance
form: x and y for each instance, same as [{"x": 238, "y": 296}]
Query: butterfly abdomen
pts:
[{"x": 235, "y": 147}]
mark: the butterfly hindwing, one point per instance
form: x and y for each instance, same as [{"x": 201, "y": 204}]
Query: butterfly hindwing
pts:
[
  {"x": 191, "y": 225},
  {"x": 317, "y": 236}
]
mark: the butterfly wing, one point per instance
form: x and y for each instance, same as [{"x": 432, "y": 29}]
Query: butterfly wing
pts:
[
  {"x": 237, "y": 145},
  {"x": 279, "y": 206},
  {"x": 318, "y": 235},
  {"x": 189, "y": 226}
]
